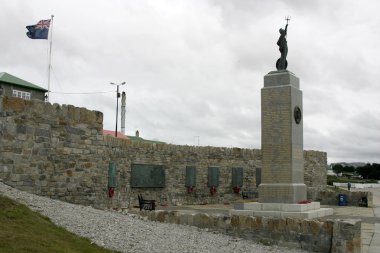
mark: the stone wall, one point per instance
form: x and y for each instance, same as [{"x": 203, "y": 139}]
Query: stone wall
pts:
[
  {"x": 51, "y": 150},
  {"x": 175, "y": 159},
  {"x": 315, "y": 163},
  {"x": 59, "y": 151},
  {"x": 336, "y": 236},
  {"x": 329, "y": 196}
]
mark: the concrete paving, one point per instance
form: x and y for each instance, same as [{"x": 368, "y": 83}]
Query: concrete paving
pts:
[
  {"x": 367, "y": 235},
  {"x": 374, "y": 245},
  {"x": 370, "y": 220},
  {"x": 369, "y": 223}
]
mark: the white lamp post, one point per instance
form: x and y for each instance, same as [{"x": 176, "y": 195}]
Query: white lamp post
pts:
[{"x": 117, "y": 103}]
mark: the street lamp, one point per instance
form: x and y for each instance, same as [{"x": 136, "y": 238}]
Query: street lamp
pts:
[
  {"x": 117, "y": 103},
  {"x": 198, "y": 137}
]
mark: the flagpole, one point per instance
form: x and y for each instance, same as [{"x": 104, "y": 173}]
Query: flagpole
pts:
[{"x": 51, "y": 43}]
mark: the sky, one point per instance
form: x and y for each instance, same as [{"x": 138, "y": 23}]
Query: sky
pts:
[{"x": 194, "y": 69}]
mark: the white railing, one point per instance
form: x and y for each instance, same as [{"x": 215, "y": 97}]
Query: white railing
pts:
[{"x": 357, "y": 185}]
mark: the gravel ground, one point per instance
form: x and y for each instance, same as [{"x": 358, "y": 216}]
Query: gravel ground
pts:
[{"x": 128, "y": 233}]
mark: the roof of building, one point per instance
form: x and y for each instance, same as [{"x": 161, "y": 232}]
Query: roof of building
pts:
[
  {"x": 137, "y": 138},
  {"x": 8, "y": 78},
  {"x": 112, "y": 133}
]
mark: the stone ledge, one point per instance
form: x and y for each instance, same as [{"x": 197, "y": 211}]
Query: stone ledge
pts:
[
  {"x": 311, "y": 214},
  {"x": 257, "y": 206},
  {"x": 303, "y": 211},
  {"x": 281, "y": 78}
]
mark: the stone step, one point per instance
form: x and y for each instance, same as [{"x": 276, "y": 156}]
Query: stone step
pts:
[
  {"x": 311, "y": 214},
  {"x": 257, "y": 206}
]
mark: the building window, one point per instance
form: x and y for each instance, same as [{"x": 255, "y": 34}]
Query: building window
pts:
[{"x": 21, "y": 94}]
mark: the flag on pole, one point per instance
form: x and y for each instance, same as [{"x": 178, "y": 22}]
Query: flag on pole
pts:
[{"x": 40, "y": 30}]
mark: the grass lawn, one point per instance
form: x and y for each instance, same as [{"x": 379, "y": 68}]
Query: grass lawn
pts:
[
  {"x": 331, "y": 179},
  {"x": 22, "y": 230}
]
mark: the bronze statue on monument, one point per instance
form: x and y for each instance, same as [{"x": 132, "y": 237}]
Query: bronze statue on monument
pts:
[{"x": 282, "y": 63}]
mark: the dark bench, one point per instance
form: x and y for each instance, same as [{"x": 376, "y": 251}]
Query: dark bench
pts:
[
  {"x": 249, "y": 193},
  {"x": 146, "y": 204},
  {"x": 363, "y": 202}
]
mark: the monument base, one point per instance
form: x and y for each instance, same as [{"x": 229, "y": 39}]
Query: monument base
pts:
[
  {"x": 278, "y": 210},
  {"x": 282, "y": 193}
]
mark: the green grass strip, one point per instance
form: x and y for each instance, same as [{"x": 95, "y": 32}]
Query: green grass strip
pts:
[{"x": 22, "y": 230}]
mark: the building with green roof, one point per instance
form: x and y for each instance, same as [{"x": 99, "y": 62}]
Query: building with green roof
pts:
[
  {"x": 16, "y": 87},
  {"x": 137, "y": 138}
]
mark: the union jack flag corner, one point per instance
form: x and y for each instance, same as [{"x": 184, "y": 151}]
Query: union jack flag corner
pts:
[{"x": 40, "y": 30}]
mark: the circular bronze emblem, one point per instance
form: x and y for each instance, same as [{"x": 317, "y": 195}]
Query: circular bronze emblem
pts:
[{"x": 297, "y": 114}]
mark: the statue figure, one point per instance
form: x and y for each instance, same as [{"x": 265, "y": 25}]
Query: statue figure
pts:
[{"x": 281, "y": 63}]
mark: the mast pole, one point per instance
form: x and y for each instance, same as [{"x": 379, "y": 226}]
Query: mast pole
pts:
[{"x": 50, "y": 47}]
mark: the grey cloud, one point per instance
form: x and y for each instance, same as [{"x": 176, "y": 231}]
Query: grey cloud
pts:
[{"x": 195, "y": 68}]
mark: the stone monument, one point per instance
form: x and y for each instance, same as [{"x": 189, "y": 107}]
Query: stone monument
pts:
[
  {"x": 282, "y": 178},
  {"x": 282, "y": 192}
]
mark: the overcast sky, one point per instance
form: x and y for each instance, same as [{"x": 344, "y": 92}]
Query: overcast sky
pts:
[{"x": 194, "y": 69}]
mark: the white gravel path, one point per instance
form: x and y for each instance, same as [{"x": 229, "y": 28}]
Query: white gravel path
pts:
[{"x": 128, "y": 233}]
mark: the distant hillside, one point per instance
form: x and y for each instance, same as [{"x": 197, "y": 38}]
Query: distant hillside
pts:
[{"x": 354, "y": 164}]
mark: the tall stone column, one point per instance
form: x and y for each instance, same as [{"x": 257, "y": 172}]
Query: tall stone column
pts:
[{"x": 282, "y": 179}]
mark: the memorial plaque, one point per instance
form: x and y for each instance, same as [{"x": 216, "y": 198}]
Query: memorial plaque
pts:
[
  {"x": 237, "y": 177},
  {"x": 112, "y": 174},
  {"x": 258, "y": 177},
  {"x": 297, "y": 114},
  {"x": 147, "y": 176},
  {"x": 213, "y": 176},
  {"x": 191, "y": 176}
]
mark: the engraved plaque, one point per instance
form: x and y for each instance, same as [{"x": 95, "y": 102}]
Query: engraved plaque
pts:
[
  {"x": 258, "y": 177},
  {"x": 112, "y": 174},
  {"x": 213, "y": 176},
  {"x": 147, "y": 176},
  {"x": 297, "y": 115},
  {"x": 237, "y": 177},
  {"x": 191, "y": 176}
]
